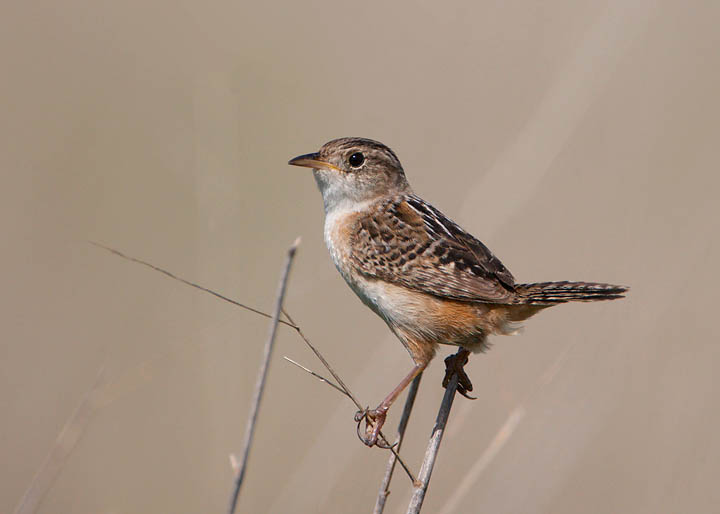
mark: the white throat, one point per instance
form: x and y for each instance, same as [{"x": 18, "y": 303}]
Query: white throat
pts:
[{"x": 337, "y": 194}]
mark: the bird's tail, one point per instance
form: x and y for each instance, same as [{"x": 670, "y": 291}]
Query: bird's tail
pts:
[{"x": 547, "y": 293}]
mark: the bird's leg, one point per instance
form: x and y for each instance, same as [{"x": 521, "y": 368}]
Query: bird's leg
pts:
[
  {"x": 374, "y": 419},
  {"x": 455, "y": 364}
]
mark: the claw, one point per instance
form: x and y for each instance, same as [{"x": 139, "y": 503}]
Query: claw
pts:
[
  {"x": 374, "y": 420},
  {"x": 454, "y": 365},
  {"x": 361, "y": 414}
]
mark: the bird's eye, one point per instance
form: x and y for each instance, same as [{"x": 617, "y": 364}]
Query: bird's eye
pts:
[{"x": 356, "y": 159}]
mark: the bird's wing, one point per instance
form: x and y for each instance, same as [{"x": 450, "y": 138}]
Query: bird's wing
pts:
[{"x": 408, "y": 242}]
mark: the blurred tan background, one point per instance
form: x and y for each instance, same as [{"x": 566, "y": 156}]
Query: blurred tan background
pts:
[{"x": 577, "y": 139}]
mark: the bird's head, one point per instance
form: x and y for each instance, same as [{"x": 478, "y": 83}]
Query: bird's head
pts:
[{"x": 354, "y": 170}]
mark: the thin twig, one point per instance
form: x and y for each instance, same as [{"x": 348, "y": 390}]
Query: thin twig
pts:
[
  {"x": 407, "y": 409},
  {"x": 187, "y": 282},
  {"x": 349, "y": 394},
  {"x": 262, "y": 376},
  {"x": 323, "y": 360},
  {"x": 319, "y": 377},
  {"x": 420, "y": 489},
  {"x": 290, "y": 324}
]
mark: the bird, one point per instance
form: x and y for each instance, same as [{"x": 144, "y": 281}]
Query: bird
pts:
[{"x": 429, "y": 280}]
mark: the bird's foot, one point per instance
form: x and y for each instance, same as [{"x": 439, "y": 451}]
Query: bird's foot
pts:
[
  {"x": 454, "y": 364},
  {"x": 374, "y": 420}
]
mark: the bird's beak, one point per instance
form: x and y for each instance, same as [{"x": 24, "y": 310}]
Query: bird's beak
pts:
[{"x": 311, "y": 160}]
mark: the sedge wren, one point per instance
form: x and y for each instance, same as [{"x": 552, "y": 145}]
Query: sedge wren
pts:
[{"x": 428, "y": 279}]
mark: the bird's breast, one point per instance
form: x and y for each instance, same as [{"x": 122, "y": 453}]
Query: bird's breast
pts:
[{"x": 340, "y": 225}]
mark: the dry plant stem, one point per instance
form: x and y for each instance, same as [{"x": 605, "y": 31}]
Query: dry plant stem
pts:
[
  {"x": 262, "y": 377},
  {"x": 64, "y": 445},
  {"x": 186, "y": 282},
  {"x": 322, "y": 359},
  {"x": 393, "y": 450},
  {"x": 319, "y": 377},
  {"x": 290, "y": 324},
  {"x": 407, "y": 409},
  {"x": 348, "y": 393},
  {"x": 433, "y": 446}
]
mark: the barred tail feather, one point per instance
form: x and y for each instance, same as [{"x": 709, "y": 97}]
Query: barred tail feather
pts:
[{"x": 544, "y": 293}]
